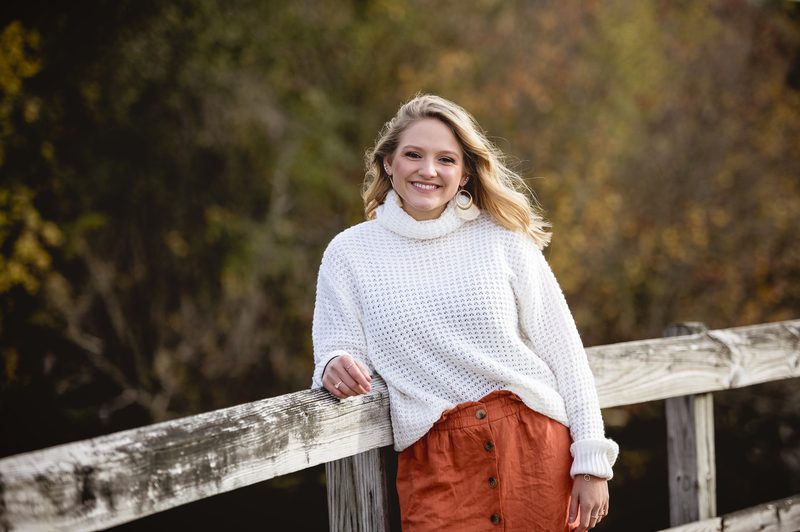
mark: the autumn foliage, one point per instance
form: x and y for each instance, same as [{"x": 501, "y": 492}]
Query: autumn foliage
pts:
[{"x": 171, "y": 172}]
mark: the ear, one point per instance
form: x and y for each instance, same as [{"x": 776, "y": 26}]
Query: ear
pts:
[
  {"x": 387, "y": 163},
  {"x": 464, "y": 180}
]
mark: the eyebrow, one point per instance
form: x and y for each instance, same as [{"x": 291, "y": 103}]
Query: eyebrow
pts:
[{"x": 412, "y": 146}]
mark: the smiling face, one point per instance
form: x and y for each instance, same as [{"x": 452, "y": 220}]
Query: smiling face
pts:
[{"x": 426, "y": 168}]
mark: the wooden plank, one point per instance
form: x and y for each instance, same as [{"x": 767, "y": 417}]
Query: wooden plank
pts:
[
  {"x": 706, "y": 455},
  {"x": 707, "y": 525},
  {"x": 690, "y": 458},
  {"x": 357, "y": 493},
  {"x": 113, "y": 479},
  {"x": 109, "y": 480},
  {"x": 648, "y": 370},
  {"x": 690, "y": 449},
  {"x": 681, "y": 460},
  {"x": 776, "y": 516}
]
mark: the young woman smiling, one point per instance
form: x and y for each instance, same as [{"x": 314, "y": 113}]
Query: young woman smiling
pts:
[
  {"x": 445, "y": 293},
  {"x": 427, "y": 169}
]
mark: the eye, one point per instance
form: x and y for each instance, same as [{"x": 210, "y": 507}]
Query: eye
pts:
[
  {"x": 448, "y": 160},
  {"x": 412, "y": 155}
]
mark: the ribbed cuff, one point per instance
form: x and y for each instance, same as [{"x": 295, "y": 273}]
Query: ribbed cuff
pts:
[
  {"x": 319, "y": 369},
  {"x": 594, "y": 457}
]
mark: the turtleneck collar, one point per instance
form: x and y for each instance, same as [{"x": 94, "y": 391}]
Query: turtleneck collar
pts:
[{"x": 392, "y": 216}]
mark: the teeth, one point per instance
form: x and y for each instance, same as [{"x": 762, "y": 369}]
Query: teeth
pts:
[{"x": 425, "y": 187}]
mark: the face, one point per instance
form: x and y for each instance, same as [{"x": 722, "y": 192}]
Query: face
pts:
[{"x": 427, "y": 168}]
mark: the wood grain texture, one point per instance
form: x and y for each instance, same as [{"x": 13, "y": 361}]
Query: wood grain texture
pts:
[
  {"x": 690, "y": 458},
  {"x": 776, "y": 516},
  {"x": 357, "y": 493},
  {"x": 104, "y": 481},
  {"x": 647, "y": 370},
  {"x": 690, "y": 448},
  {"x": 681, "y": 460},
  {"x": 706, "y": 455}
]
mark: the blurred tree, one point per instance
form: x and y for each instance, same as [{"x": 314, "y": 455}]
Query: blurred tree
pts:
[{"x": 172, "y": 171}]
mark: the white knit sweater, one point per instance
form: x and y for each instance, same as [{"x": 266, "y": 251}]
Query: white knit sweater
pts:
[{"x": 448, "y": 311}]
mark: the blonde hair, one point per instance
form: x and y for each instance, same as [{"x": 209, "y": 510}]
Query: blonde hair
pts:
[{"x": 495, "y": 188}]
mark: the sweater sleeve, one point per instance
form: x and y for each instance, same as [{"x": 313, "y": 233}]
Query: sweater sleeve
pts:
[
  {"x": 547, "y": 322},
  {"x": 337, "y": 326}
]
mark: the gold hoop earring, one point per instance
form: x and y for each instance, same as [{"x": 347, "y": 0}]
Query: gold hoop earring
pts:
[
  {"x": 466, "y": 208},
  {"x": 464, "y": 199}
]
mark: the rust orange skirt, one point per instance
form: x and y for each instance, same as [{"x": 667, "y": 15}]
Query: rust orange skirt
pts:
[{"x": 493, "y": 464}]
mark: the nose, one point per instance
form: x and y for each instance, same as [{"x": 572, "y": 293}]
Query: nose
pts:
[{"x": 427, "y": 168}]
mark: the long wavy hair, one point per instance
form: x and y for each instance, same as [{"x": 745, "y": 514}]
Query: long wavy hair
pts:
[{"x": 495, "y": 188}]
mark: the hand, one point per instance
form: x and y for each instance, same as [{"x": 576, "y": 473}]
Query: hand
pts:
[
  {"x": 346, "y": 377},
  {"x": 591, "y": 498}
]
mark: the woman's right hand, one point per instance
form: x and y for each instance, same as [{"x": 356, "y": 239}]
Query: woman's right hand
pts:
[{"x": 346, "y": 377}]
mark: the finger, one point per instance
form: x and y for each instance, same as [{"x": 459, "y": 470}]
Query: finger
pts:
[
  {"x": 595, "y": 516},
  {"x": 586, "y": 517},
  {"x": 359, "y": 376},
  {"x": 364, "y": 370},
  {"x": 335, "y": 370},
  {"x": 336, "y": 385},
  {"x": 354, "y": 367},
  {"x": 573, "y": 508},
  {"x": 328, "y": 384},
  {"x": 346, "y": 383}
]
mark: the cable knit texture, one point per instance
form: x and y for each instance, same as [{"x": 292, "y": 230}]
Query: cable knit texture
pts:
[{"x": 448, "y": 311}]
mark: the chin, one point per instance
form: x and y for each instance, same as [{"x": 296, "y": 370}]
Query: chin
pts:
[{"x": 427, "y": 208}]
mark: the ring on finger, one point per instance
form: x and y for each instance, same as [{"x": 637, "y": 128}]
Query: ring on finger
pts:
[{"x": 338, "y": 384}]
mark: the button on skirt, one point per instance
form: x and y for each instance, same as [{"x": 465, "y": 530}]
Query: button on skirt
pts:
[{"x": 492, "y": 464}]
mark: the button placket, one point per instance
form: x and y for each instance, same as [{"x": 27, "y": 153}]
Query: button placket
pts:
[{"x": 492, "y": 479}]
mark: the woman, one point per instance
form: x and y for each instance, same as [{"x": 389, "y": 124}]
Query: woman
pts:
[{"x": 444, "y": 293}]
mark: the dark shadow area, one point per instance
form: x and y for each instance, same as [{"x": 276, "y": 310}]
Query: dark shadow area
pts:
[
  {"x": 291, "y": 502},
  {"x": 639, "y": 491},
  {"x": 757, "y": 431},
  {"x": 757, "y": 436}
]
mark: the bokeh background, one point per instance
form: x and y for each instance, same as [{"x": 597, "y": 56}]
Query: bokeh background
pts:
[{"x": 170, "y": 173}]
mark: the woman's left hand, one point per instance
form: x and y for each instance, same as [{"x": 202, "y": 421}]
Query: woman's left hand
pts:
[{"x": 589, "y": 502}]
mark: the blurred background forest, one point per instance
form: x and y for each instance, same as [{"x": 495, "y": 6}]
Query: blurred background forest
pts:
[{"x": 170, "y": 173}]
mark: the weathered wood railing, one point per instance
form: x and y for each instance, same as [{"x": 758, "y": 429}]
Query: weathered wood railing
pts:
[{"x": 121, "y": 477}]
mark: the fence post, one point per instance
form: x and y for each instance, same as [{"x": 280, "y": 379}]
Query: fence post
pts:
[
  {"x": 690, "y": 449},
  {"x": 357, "y": 493}
]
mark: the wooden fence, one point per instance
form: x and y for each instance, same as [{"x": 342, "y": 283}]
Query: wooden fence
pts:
[{"x": 105, "y": 481}]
